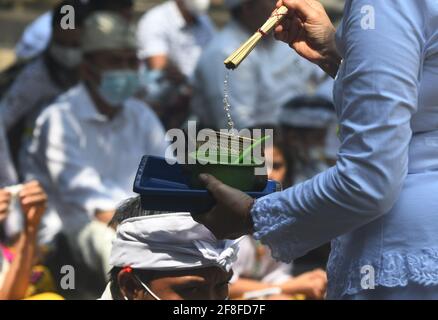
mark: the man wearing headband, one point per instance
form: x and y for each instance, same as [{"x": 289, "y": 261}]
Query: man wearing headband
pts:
[
  {"x": 87, "y": 145},
  {"x": 267, "y": 78},
  {"x": 167, "y": 256}
]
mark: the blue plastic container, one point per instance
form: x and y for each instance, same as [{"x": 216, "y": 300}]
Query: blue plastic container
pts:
[{"x": 165, "y": 187}]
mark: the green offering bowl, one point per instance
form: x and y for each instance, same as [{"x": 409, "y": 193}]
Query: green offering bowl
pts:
[{"x": 237, "y": 175}]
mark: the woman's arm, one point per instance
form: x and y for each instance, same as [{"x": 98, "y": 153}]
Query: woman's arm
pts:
[
  {"x": 380, "y": 78},
  {"x": 18, "y": 276},
  {"x": 33, "y": 202},
  {"x": 5, "y": 200},
  {"x": 312, "y": 284}
]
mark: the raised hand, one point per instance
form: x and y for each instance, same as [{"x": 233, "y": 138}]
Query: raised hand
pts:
[
  {"x": 308, "y": 30},
  {"x": 312, "y": 284},
  {"x": 5, "y": 200},
  {"x": 33, "y": 202},
  {"x": 230, "y": 218}
]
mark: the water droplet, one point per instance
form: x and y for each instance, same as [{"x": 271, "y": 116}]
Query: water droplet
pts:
[{"x": 227, "y": 105}]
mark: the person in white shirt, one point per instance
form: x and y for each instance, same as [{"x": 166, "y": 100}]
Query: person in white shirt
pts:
[
  {"x": 179, "y": 44},
  {"x": 267, "y": 78},
  {"x": 87, "y": 145},
  {"x": 171, "y": 38},
  {"x": 35, "y": 86}
]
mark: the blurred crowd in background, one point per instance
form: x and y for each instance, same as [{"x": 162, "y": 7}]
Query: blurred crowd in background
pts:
[{"x": 80, "y": 107}]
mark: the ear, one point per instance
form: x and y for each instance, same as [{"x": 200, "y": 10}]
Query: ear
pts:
[{"x": 129, "y": 286}]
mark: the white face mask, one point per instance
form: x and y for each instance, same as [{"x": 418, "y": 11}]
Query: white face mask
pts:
[
  {"x": 156, "y": 85},
  {"x": 196, "y": 7},
  {"x": 66, "y": 56}
]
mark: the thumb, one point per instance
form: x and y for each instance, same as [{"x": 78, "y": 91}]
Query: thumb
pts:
[{"x": 211, "y": 183}]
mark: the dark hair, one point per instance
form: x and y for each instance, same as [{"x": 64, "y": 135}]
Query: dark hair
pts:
[
  {"x": 279, "y": 144},
  {"x": 130, "y": 208},
  {"x": 306, "y": 101},
  {"x": 103, "y": 5},
  {"x": 236, "y": 12},
  {"x": 144, "y": 275}
]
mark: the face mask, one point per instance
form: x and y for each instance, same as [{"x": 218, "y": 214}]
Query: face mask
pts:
[
  {"x": 155, "y": 84},
  {"x": 118, "y": 85},
  {"x": 196, "y": 7},
  {"x": 65, "y": 56}
]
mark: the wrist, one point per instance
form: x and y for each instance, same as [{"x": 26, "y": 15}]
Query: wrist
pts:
[
  {"x": 292, "y": 286},
  {"x": 30, "y": 232},
  {"x": 249, "y": 221},
  {"x": 331, "y": 59}
]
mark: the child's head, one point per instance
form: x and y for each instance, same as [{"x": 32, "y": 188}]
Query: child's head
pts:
[{"x": 277, "y": 160}]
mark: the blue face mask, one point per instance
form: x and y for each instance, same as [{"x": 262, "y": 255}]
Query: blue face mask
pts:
[
  {"x": 118, "y": 85},
  {"x": 156, "y": 85}
]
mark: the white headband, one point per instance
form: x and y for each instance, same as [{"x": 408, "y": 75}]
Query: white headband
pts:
[{"x": 168, "y": 242}]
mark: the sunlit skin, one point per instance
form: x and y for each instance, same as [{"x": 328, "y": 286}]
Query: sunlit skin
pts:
[
  {"x": 5, "y": 199},
  {"x": 33, "y": 200},
  {"x": 210, "y": 283},
  {"x": 308, "y": 30},
  {"x": 278, "y": 168}
]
